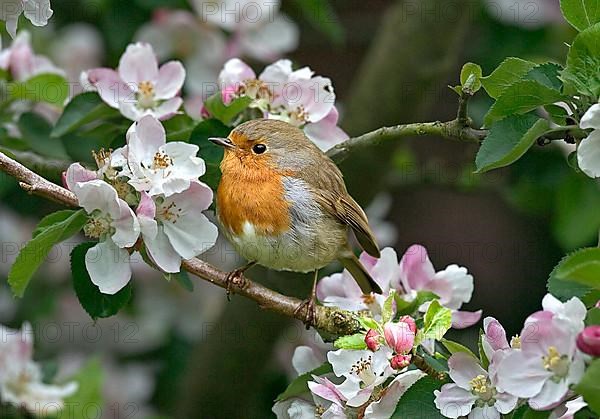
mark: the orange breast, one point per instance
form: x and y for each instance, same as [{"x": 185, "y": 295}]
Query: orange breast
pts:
[{"x": 252, "y": 192}]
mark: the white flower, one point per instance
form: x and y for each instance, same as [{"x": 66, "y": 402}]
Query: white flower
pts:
[
  {"x": 384, "y": 407},
  {"x": 473, "y": 393},
  {"x": 156, "y": 166},
  {"x": 139, "y": 87},
  {"x": 21, "y": 378},
  {"x": 588, "y": 152},
  {"x": 21, "y": 61},
  {"x": 36, "y": 11},
  {"x": 116, "y": 226},
  {"x": 362, "y": 370},
  {"x": 174, "y": 228}
]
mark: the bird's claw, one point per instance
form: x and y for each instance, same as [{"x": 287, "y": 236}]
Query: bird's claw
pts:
[
  {"x": 310, "y": 308},
  {"x": 235, "y": 279}
]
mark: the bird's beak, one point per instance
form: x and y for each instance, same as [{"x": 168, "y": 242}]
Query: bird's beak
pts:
[{"x": 223, "y": 142}]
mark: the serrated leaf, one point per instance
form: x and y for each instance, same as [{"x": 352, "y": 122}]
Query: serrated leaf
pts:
[
  {"x": 35, "y": 251},
  {"x": 581, "y": 266},
  {"x": 581, "y": 14},
  {"x": 226, "y": 113},
  {"x": 470, "y": 77},
  {"x": 179, "y": 128},
  {"x": 36, "y": 133},
  {"x": 508, "y": 140},
  {"x": 82, "y": 109},
  {"x": 51, "y": 219},
  {"x": 589, "y": 386},
  {"x": 438, "y": 320},
  {"x": 583, "y": 62},
  {"x": 455, "y": 347},
  {"x": 368, "y": 323},
  {"x": 418, "y": 400},
  {"x": 211, "y": 153},
  {"x": 557, "y": 114},
  {"x": 96, "y": 304},
  {"x": 300, "y": 385},
  {"x": 508, "y": 72},
  {"x": 521, "y": 97},
  {"x": 356, "y": 342},
  {"x": 49, "y": 88},
  {"x": 547, "y": 74},
  {"x": 89, "y": 379},
  {"x": 404, "y": 307}
]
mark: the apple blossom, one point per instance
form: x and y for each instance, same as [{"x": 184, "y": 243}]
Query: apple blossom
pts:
[
  {"x": 474, "y": 392},
  {"x": 139, "y": 87},
  {"x": 116, "y": 226},
  {"x": 36, "y": 11},
  {"x": 454, "y": 285},
  {"x": 174, "y": 228},
  {"x": 363, "y": 370},
  {"x": 384, "y": 407},
  {"x": 547, "y": 363},
  {"x": 21, "y": 378},
  {"x": 158, "y": 167},
  {"x": 588, "y": 341},
  {"x": 588, "y": 151},
  {"x": 372, "y": 339},
  {"x": 399, "y": 362},
  {"x": 399, "y": 337},
  {"x": 21, "y": 61}
]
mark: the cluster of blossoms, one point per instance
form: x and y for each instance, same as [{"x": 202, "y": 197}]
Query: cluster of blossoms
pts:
[
  {"x": 371, "y": 371},
  {"x": 160, "y": 181},
  {"x": 21, "y": 382},
  {"x": 295, "y": 96},
  {"x": 36, "y": 11}
]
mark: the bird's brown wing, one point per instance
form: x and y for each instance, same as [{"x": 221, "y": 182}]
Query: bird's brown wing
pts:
[{"x": 345, "y": 209}]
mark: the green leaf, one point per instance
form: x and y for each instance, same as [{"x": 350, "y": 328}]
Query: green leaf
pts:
[
  {"x": 36, "y": 133},
  {"x": 387, "y": 313},
  {"x": 593, "y": 317},
  {"x": 211, "y": 153},
  {"x": 90, "y": 379},
  {"x": 508, "y": 140},
  {"x": 300, "y": 385},
  {"x": 485, "y": 362},
  {"x": 470, "y": 77},
  {"x": 96, "y": 304},
  {"x": 557, "y": 114},
  {"x": 583, "y": 62},
  {"x": 184, "y": 280},
  {"x": 589, "y": 386},
  {"x": 36, "y": 250},
  {"x": 438, "y": 320},
  {"x": 547, "y": 74},
  {"x": 368, "y": 323},
  {"x": 356, "y": 341},
  {"x": 51, "y": 219},
  {"x": 508, "y": 72},
  {"x": 418, "y": 400},
  {"x": 50, "y": 88},
  {"x": 82, "y": 109},
  {"x": 404, "y": 307},
  {"x": 226, "y": 113},
  {"x": 522, "y": 97},
  {"x": 526, "y": 412},
  {"x": 455, "y": 347},
  {"x": 179, "y": 128},
  {"x": 581, "y": 14},
  {"x": 322, "y": 16},
  {"x": 581, "y": 266}
]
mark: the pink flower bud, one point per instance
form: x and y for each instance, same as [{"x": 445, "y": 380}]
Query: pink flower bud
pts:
[
  {"x": 410, "y": 322},
  {"x": 399, "y": 337},
  {"x": 372, "y": 339},
  {"x": 588, "y": 341},
  {"x": 399, "y": 362}
]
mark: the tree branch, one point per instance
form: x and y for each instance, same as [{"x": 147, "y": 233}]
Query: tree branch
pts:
[
  {"x": 452, "y": 130},
  {"x": 333, "y": 321}
]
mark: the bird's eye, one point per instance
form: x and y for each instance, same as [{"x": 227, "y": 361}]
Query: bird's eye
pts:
[{"x": 259, "y": 148}]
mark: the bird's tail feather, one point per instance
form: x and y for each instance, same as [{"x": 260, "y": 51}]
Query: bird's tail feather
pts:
[{"x": 359, "y": 273}]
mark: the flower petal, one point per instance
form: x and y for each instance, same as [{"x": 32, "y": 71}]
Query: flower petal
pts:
[
  {"x": 234, "y": 73},
  {"x": 385, "y": 407},
  {"x": 271, "y": 40},
  {"x": 108, "y": 266},
  {"x": 521, "y": 375},
  {"x": 304, "y": 360},
  {"x": 168, "y": 109},
  {"x": 591, "y": 118},
  {"x": 37, "y": 11},
  {"x": 550, "y": 396},
  {"x": 171, "y": 77},
  {"x": 162, "y": 253},
  {"x": 464, "y": 319},
  {"x": 111, "y": 88},
  {"x": 77, "y": 173},
  {"x": 127, "y": 227},
  {"x": 138, "y": 64},
  {"x": 463, "y": 368},
  {"x": 588, "y": 154},
  {"x": 453, "y": 401},
  {"x": 416, "y": 268}
]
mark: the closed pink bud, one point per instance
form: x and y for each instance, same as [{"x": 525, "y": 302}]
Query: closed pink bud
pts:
[
  {"x": 399, "y": 362},
  {"x": 399, "y": 337},
  {"x": 372, "y": 339},
  {"x": 588, "y": 341},
  {"x": 410, "y": 322}
]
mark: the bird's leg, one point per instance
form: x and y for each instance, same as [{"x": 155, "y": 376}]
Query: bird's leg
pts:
[
  {"x": 236, "y": 278},
  {"x": 309, "y": 305}
]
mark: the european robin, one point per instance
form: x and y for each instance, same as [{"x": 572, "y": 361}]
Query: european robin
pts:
[{"x": 283, "y": 204}]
